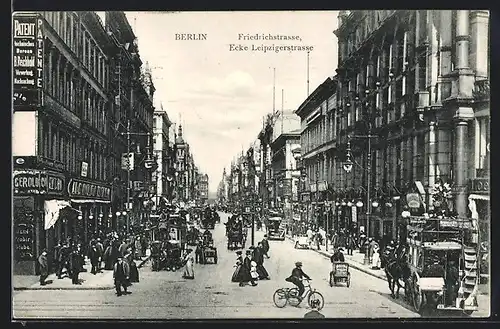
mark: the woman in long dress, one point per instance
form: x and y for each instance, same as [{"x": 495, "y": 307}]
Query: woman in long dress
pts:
[
  {"x": 189, "y": 269},
  {"x": 237, "y": 274},
  {"x": 134, "y": 272}
]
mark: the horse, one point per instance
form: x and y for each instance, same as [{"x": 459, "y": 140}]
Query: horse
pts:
[{"x": 396, "y": 268}]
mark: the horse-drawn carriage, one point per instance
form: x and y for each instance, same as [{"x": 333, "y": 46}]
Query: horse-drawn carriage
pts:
[
  {"x": 275, "y": 228},
  {"x": 167, "y": 251},
  {"x": 235, "y": 238},
  {"x": 166, "y": 255},
  {"x": 207, "y": 251},
  {"x": 443, "y": 271},
  {"x": 192, "y": 236},
  {"x": 208, "y": 219}
]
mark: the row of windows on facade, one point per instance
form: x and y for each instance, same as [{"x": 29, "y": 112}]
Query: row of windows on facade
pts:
[
  {"x": 63, "y": 146},
  {"x": 75, "y": 94},
  {"x": 63, "y": 84},
  {"x": 404, "y": 39},
  {"x": 74, "y": 34},
  {"x": 385, "y": 163},
  {"x": 396, "y": 94},
  {"x": 411, "y": 157}
]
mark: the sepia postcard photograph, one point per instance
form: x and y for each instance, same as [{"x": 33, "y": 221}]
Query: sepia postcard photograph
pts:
[{"x": 195, "y": 165}]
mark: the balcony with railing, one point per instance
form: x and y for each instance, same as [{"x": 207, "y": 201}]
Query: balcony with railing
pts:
[{"x": 481, "y": 91}]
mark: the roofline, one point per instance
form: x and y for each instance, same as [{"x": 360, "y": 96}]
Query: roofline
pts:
[{"x": 322, "y": 87}]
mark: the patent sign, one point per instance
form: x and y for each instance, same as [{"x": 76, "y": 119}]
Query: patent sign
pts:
[{"x": 27, "y": 59}]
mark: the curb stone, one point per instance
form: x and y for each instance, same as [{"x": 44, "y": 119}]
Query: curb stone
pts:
[{"x": 351, "y": 263}]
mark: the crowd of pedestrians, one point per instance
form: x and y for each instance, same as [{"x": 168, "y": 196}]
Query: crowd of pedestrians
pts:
[
  {"x": 251, "y": 268},
  {"x": 112, "y": 252}
]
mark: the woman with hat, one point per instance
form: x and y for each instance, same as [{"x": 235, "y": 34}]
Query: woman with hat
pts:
[
  {"x": 189, "y": 268},
  {"x": 237, "y": 274},
  {"x": 246, "y": 269}
]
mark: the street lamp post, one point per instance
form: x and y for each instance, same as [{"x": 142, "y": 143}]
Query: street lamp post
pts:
[{"x": 148, "y": 164}]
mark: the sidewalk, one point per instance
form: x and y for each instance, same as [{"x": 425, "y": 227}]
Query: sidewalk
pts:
[
  {"x": 354, "y": 261},
  {"x": 89, "y": 281}
]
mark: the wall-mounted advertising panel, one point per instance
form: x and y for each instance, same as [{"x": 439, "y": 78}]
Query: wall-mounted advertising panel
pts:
[{"x": 27, "y": 56}]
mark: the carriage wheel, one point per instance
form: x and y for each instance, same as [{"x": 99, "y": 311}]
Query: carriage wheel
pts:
[
  {"x": 315, "y": 295},
  {"x": 418, "y": 296},
  {"x": 408, "y": 288},
  {"x": 348, "y": 280},
  {"x": 280, "y": 298}
]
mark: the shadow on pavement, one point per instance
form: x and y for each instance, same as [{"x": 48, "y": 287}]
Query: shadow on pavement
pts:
[
  {"x": 401, "y": 301},
  {"x": 426, "y": 312}
]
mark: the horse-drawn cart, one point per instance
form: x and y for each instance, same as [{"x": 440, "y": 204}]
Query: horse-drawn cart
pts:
[
  {"x": 209, "y": 253},
  {"x": 340, "y": 273},
  {"x": 443, "y": 270}
]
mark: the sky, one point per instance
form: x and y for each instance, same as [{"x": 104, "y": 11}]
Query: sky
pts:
[{"x": 219, "y": 94}]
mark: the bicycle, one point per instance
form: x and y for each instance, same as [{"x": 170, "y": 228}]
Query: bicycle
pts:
[{"x": 282, "y": 296}]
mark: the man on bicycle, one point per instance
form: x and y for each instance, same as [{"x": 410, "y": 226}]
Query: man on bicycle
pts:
[{"x": 296, "y": 278}]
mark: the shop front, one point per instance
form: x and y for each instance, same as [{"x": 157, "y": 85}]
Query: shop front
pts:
[
  {"x": 480, "y": 209},
  {"x": 34, "y": 190},
  {"x": 93, "y": 201}
]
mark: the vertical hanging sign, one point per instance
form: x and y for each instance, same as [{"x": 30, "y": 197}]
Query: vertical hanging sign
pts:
[{"x": 27, "y": 55}]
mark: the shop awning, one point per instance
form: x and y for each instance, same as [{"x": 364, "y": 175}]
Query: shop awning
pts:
[
  {"x": 89, "y": 201},
  {"x": 52, "y": 208},
  {"x": 479, "y": 197}
]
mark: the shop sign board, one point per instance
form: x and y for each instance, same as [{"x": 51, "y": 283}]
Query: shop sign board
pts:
[
  {"x": 79, "y": 188},
  {"x": 27, "y": 60},
  {"x": 354, "y": 212},
  {"x": 479, "y": 186},
  {"x": 33, "y": 181},
  {"x": 306, "y": 197}
]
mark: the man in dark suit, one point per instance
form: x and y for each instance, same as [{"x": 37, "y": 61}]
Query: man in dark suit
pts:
[
  {"x": 258, "y": 258},
  {"x": 121, "y": 276},
  {"x": 44, "y": 267},
  {"x": 265, "y": 246},
  {"x": 296, "y": 278},
  {"x": 64, "y": 260}
]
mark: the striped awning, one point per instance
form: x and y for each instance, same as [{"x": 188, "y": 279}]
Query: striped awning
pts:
[{"x": 479, "y": 197}]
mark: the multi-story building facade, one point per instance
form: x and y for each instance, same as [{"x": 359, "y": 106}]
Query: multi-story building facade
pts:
[
  {"x": 266, "y": 182},
  {"x": 186, "y": 171},
  {"x": 285, "y": 174},
  {"x": 318, "y": 151},
  {"x": 67, "y": 175},
  {"x": 161, "y": 149},
  {"x": 203, "y": 188},
  {"x": 409, "y": 78},
  {"x": 131, "y": 120},
  {"x": 66, "y": 166},
  {"x": 222, "y": 189}
]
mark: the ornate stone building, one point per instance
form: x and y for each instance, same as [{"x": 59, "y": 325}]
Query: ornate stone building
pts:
[{"x": 415, "y": 80}]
